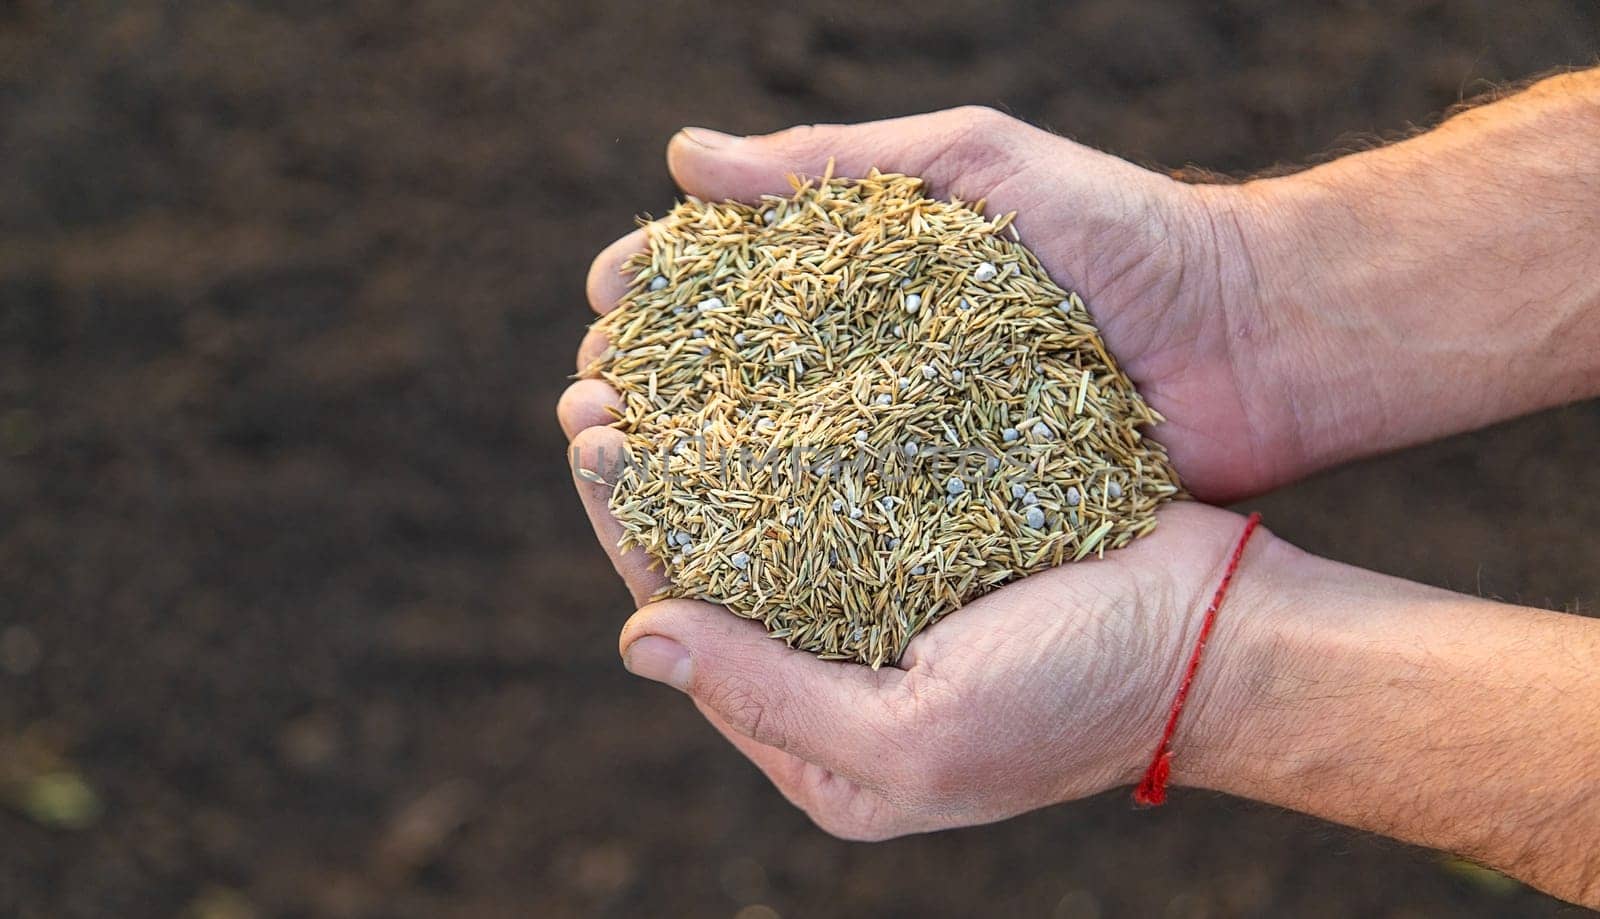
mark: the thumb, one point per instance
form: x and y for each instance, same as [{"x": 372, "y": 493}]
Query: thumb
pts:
[
  {"x": 834, "y": 714},
  {"x": 962, "y": 152}
]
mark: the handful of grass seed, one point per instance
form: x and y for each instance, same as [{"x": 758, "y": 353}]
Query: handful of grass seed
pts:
[{"x": 850, "y": 411}]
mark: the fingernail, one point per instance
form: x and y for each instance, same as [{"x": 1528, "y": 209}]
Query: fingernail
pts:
[
  {"x": 708, "y": 138},
  {"x": 661, "y": 659}
]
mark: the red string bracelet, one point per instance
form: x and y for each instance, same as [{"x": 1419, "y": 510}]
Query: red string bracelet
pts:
[{"x": 1152, "y": 789}]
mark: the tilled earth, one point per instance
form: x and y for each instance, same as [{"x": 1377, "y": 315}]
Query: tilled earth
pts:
[{"x": 298, "y": 613}]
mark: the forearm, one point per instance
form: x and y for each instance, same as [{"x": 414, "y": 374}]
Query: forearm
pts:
[
  {"x": 1432, "y": 717},
  {"x": 1439, "y": 284}
]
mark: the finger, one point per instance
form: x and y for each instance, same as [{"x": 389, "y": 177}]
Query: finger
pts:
[
  {"x": 599, "y": 450},
  {"x": 962, "y": 152},
  {"x": 834, "y": 803},
  {"x": 593, "y": 347},
  {"x": 606, "y": 283},
  {"x": 587, "y": 404},
  {"x": 837, "y": 715}
]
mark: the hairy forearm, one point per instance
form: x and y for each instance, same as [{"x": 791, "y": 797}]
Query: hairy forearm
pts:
[
  {"x": 1439, "y": 284},
  {"x": 1432, "y": 717}
]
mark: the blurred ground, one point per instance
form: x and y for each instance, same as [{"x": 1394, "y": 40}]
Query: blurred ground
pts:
[{"x": 298, "y": 615}]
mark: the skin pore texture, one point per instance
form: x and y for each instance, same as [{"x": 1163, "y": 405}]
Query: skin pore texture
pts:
[{"x": 1281, "y": 326}]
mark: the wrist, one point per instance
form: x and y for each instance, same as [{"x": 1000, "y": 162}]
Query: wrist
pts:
[
  {"x": 1432, "y": 286},
  {"x": 1250, "y": 648},
  {"x": 1295, "y": 329},
  {"x": 1434, "y": 718},
  {"x": 1313, "y": 342}
]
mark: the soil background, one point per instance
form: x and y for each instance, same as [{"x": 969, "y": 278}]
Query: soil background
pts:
[{"x": 299, "y": 615}]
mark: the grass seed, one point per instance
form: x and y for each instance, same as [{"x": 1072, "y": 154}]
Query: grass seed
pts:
[{"x": 869, "y": 407}]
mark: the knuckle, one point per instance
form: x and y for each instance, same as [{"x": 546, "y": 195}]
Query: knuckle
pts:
[
  {"x": 983, "y": 116},
  {"x": 749, "y": 708},
  {"x": 594, "y": 280},
  {"x": 933, "y": 766},
  {"x": 921, "y": 700},
  {"x": 976, "y": 140},
  {"x": 568, "y": 408},
  {"x": 568, "y": 400},
  {"x": 592, "y": 348}
]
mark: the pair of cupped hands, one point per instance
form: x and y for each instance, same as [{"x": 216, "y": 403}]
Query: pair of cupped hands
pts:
[{"x": 1056, "y": 686}]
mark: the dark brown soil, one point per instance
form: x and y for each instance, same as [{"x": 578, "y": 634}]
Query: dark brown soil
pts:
[{"x": 290, "y": 570}]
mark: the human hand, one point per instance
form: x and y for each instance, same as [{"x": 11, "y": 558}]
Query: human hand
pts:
[
  {"x": 1438, "y": 719},
  {"x": 1049, "y": 689},
  {"x": 1163, "y": 266},
  {"x": 1281, "y": 326}
]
